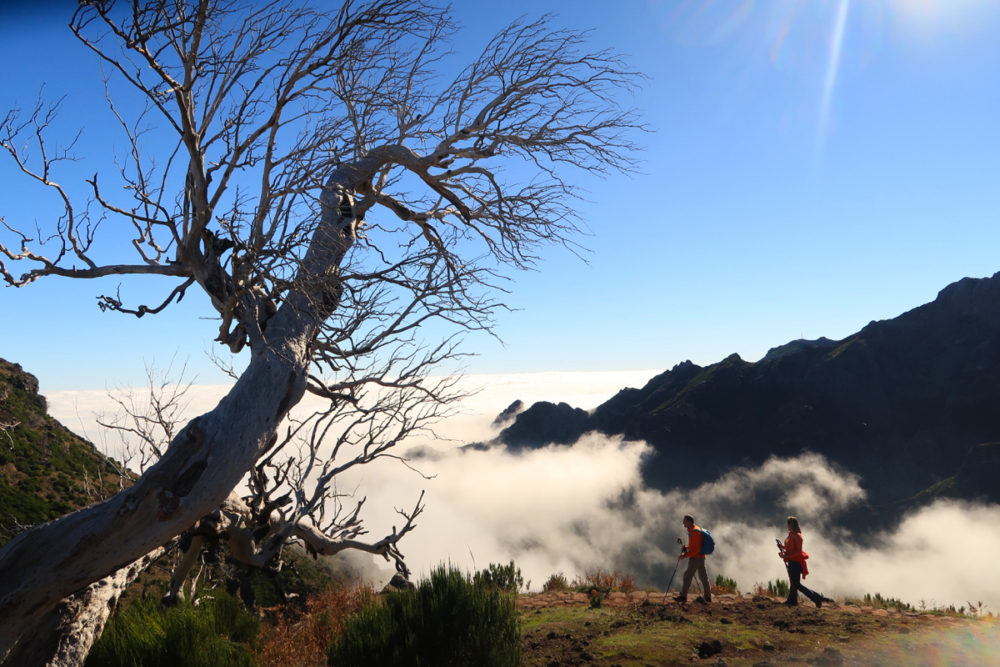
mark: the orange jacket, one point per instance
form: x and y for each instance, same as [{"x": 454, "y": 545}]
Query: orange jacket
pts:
[
  {"x": 793, "y": 551},
  {"x": 694, "y": 543}
]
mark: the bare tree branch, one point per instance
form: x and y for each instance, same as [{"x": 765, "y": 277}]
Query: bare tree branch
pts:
[{"x": 313, "y": 176}]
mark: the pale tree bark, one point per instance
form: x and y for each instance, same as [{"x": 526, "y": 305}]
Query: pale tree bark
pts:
[
  {"x": 331, "y": 197},
  {"x": 65, "y": 635}
]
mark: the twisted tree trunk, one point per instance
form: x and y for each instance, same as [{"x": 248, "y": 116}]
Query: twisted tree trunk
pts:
[
  {"x": 64, "y": 636},
  {"x": 203, "y": 464}
]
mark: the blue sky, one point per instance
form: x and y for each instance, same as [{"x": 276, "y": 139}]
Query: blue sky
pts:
[{"x": 814, "y": 165}]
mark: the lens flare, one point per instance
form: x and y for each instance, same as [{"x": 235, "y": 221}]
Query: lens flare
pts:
[
  {"x": 832, "y": 69},
  {"x": 928, "y": 21},
  {"x": 935, "y": 10}
]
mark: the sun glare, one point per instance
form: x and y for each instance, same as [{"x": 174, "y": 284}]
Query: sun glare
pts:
[
  {"x": 928, "y": 9},
  {"x": 931, "y": 16},
  {"x": 820, "y": 44}
]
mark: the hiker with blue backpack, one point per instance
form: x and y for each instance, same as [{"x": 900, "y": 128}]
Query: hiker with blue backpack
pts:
[{"x": 700, "y": 544}]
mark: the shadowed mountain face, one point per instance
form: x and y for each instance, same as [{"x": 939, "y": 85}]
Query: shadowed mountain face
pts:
[{"x": 911, "y": 404}]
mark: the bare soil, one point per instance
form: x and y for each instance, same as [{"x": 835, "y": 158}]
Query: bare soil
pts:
[{"x": 643, "y": 628}]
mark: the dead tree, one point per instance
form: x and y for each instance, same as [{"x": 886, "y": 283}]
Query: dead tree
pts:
[
  {"x": 331, "y": 188},
  {"x": 291, "y": 494}
]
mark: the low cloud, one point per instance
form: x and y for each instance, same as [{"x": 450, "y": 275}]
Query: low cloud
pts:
[
  {"x": 942, "y": 554},
  {"x": 577, "y": 509},
  {"x": 581, "y": 508}
]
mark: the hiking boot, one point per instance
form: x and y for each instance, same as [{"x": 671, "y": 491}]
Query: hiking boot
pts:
[
  {"x": 790, "y": 603},
  {"x": 680, "y": 598},
  {"x": 701, "y": 600},
  {"x": 819, "y": 603}
]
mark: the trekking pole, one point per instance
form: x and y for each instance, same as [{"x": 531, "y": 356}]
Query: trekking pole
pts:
[
  {"x": 781, "y": 553},
  {"x": 671, "y": 582}
]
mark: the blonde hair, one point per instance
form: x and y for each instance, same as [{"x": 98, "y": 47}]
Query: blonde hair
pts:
[{"x": 793, "y": 524}]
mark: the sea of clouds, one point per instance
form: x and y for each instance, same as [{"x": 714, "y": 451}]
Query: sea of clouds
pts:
[{"x": 582, "y": 508}]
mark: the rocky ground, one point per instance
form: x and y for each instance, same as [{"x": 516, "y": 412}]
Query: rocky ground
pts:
[{"x": 643, "y": 628}]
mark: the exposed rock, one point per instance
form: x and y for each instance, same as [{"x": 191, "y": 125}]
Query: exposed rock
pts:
[
  {"x": 828, "y": 658},
  {"x": 509, "y": 413},
  {"x": 909, "y": 404},
  {"x": 399, "y": 583},
  {"x": 708, "y": 648},
  {"x": 546, "y": 423}
]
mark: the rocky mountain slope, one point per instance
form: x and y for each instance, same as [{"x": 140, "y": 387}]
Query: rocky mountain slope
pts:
[
  {"x": 912, "y": 404},
  {"x": 45, "y": 469}
]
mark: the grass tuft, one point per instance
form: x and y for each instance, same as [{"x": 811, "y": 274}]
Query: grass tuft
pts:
[
  {"x": 724, "y": 585},
  {"x": 218, "y": 632},
  {"x": 557, "y": 583}
]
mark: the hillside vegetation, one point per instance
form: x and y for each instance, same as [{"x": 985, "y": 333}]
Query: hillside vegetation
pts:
[{"x": 45, "y": 469}]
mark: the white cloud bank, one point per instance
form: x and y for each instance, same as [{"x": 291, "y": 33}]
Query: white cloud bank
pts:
[{"x": 582, "y": 508}]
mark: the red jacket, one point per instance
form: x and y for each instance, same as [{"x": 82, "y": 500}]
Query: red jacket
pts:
[
  {"x": 793, "y": 551},
  {"x": 694, "y": 543}
]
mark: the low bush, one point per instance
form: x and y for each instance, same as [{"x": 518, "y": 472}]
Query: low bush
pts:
[
  {"x": 302, "y": 635},
  {"x": 555, "y": 584},
  {"x": 506, "y": 578},
  {"x": 447, "y": 620},
  {"x": 605, "y": 582},
  {"x": 218, "y": 632},
  {"x": 776, "y": 588},
  {"x": 879, "y": 602},
  {"x": 595, "y": 598},
  {"x": 724, "y": 585}
]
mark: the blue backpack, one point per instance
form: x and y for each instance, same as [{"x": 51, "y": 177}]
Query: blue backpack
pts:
[{"x": 707, "y": 542}]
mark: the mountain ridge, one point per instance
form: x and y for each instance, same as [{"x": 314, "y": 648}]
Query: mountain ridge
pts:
[{"x": 904, "y": 402}]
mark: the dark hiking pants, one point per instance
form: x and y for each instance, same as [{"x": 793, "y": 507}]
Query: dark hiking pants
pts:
[
  {"x": 697, "y": 566},
  {"x": 795, "y": 584}
]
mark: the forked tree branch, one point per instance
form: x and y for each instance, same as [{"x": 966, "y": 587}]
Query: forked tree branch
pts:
[{"x": 309, "y": 172}]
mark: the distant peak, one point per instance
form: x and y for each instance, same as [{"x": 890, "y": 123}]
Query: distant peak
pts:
[
  {"x": 966, "y": 287},
  {"x": 509, "y": 413},
  {"x": 796, "y": 346}
]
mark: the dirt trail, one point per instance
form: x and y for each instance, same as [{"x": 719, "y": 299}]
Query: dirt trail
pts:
[{"x": 642, "y": 628}]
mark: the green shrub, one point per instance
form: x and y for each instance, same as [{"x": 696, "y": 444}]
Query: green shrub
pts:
[
  {"x": 778, "y": 588},
  {"x": 447, "y": 620},
  {"x": 880, "y": 602},
  {"x": 595, "y": 598},
  {"x": 506, "y": 578},
  {"x": 217, "y": 632},
  {"x": 725, "y": 584},
  {"x": 556, "y": 583}
]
